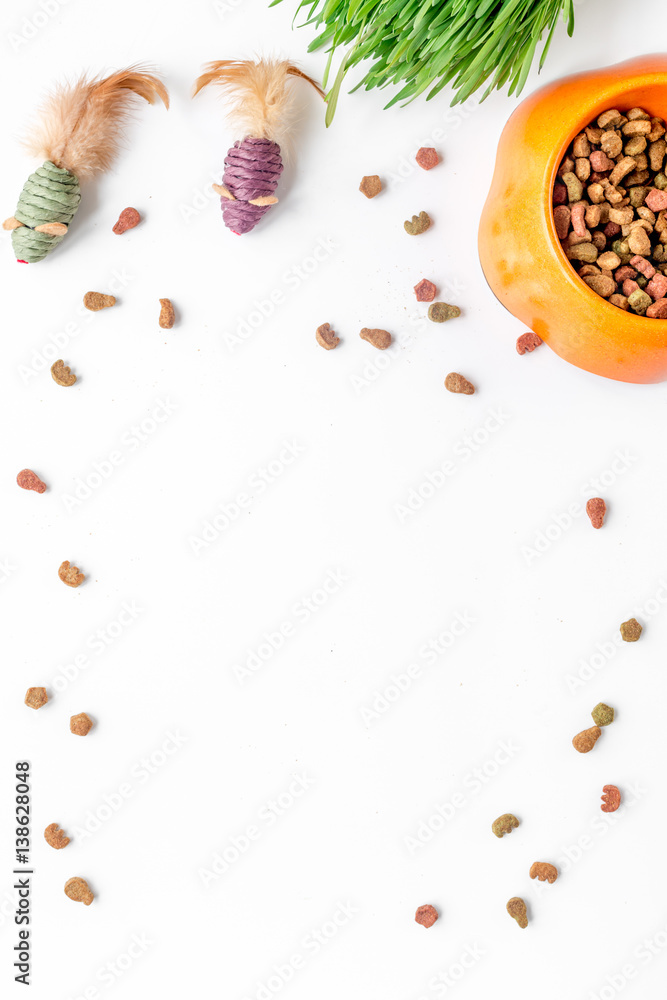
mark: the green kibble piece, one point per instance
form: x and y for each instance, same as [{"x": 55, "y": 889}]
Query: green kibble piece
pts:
[
  {"x": 637, "y": 195},
  {"x": 621, "y": 247},
  {"x": 639, "y": 301},
  {"x": 440, "y": 312},
  {"x": 603, "y": 715},
  {"x": 575, "y": 189},
  {"x": 642, "y": 280},
  {"x": 587, "y": 252},
  {"x": 504, "y": 824},
  {"x": 660, "y": 181}
]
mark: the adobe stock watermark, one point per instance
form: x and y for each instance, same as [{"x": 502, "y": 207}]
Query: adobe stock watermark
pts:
[
  {"x": 57, "y": 342},
  {"x": 291, "y": 281},
  {"x": 561, "y": 522},
  {"x": 402, "y": 681},
  {"x": 32, "y": 24},
  {"x": 643, "y": 954},
  {"x": 310, "y": 945},
  {"x": 7, "y": 569},
  {"x": 258, "y": 482},
  {"x": 375, "y": 366},
  {"x": 141, "y": 772},
  {"x": 224, "y": 7},
  {"x": 474, "y": 782},
  {"x": 301, "y": 612},
  {"x": 443, "y": 982},
  {"x": 96, "y": 644},
  {"x": 237, "y": 845},
  {"x": 111, "y": 972},
  {"x": 463, "y": 450},
  {"x": 130, "y": 441},
  {"x": 588, "y": 667}
]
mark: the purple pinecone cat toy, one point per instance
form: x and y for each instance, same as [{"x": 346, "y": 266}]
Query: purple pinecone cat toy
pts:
[{"x": 262, "y": 108}]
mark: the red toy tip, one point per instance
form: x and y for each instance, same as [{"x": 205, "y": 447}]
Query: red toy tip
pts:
[{"x": 21, "y": 261}]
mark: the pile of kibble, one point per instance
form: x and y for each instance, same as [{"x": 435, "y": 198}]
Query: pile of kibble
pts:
[{"x": 610, "y": 209}]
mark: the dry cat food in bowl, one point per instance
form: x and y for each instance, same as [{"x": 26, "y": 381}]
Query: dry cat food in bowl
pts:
[{"x": 525, "y": 263}]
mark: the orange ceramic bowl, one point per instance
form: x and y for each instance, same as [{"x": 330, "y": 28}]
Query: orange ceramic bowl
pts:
[{"x": 519, "y": 250}]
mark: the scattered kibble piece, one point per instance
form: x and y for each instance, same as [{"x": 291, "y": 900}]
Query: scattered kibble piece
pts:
[
  {"x": 167, "y": 314},
  {"x": 596, "y": 509},
  {"x": 425, "y": 290},
  {"x": 378, "y": 338},
  {"x": 61, "y": 374},
  {"x": 71, "y": 575},
  {"x": 417, "y": 224},
  {"x": 517, "y": 910},
  {"x": 80, "y": 724},
  {"x": 55, "y": 837},
  {"x": 631, "y": 630},
  {"x": 326, "y": 337},
  {"x": 98, "y": 300},
  {"x": 440, "y": 312},
  {"x": 370, "y": 185},
  {"x": 29, "y": 480},
  {"x": 457, "y": 383},
  {"x": 544, "y": 871},
  {"x": 128, "y": 219},
  {"x": 527, "y": 343},
  {"x": 586, "y": 739},
  {"x": 603, "y": 715},
  {"x": 78, "y": 889},
  {"x": 426, "y": 915},
  {"x": 36, "y": 697},
  {"x": 504, "y": 824},
  {"x": 611, "y": 799},
  {"x": 427, "y": 158}
]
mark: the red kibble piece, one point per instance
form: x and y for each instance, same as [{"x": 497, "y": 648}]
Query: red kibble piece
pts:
[
  {"x": 427, "y": 158},
  {"x": 596, "y": 509},
  {"x": 643, "y": 265},
  {"x": 426, "y": 915},
  {"x": 527, "y": 343},
  {"x": 425, "y": 290},
  {"x": 657, "y": 310},
  {"x": 29, "y": 480},
  {"x": 629, "y": 286},
  {"x": 600, "y": 161},
  {"x": 657, "y": 287},
  {"x": 128, "y": 219},
  {"x": 656, "y": 200},
  {"x": 560, "y": 194},
  {"x": 611, "y": 229},
  {"x": 611, "y": 799},
  {"x": 621, "y": 273}
]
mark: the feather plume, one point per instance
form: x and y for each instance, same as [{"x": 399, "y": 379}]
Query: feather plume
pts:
[
  {"x": 262, "y": 100},
  {"x": 80, "y": 126}
]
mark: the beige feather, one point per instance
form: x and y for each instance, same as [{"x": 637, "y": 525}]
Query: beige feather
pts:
[
  {"x": 80, "y": 126},
  {"x": 262, "y": 100}
]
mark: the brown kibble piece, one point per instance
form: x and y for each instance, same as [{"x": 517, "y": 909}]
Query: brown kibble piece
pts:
[
  {"x": 527, "y": 343},
  {"x": 544, "y": 871},
  {"x": 562, "y": 216},
  {"x": 586, "y": 740},
  {"x": 631, "y": 630},
  {"x": 97, "y": 300},
  {"x": 370, "y": 185},
  {"x": 440, "y": 312},
  {"x": 61, "y": 374},
  {"x": 425, "y": 290},
  {"x": 596, "y": 509},
  {"x": 29, "y": 480},
  {"x": 78, "y": 889},
  {"x": 457, "y": 383},
  {"x": 55, "y": 837},
  {"x": 611, "y": 799},
  {"x": 128, "y": 219},
  {"x": 427, "y": 158},
  {"x": 326, "y": 337},
  {"x": 167, "y": 315},
  {"x": 517, "y": 910},
  {"x": 378, "y": 338},
  {"x": 70, "y": 574},
  {"x": 81, "y": 724},
  {"x": 504, "y": 824},
  {"x": 426, "y": 915},
  {"x": 36, "y": 697},
  {"x": 417, "y": 224}
]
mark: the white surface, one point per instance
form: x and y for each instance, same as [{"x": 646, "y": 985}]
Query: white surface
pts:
[{"x": 367, "y": 435}]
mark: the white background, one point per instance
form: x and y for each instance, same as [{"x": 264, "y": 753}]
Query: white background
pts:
[{"x": 369, "y": 429}]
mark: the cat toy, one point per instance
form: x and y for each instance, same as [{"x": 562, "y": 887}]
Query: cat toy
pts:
[
  {"x": 262, "y": 110},
  {"x": 79, "y": 133}
]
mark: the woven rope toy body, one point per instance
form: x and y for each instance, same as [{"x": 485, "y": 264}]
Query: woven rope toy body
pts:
[
  {"x": 263, "y": 110},
  {"x": 78, "y": 133}
]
